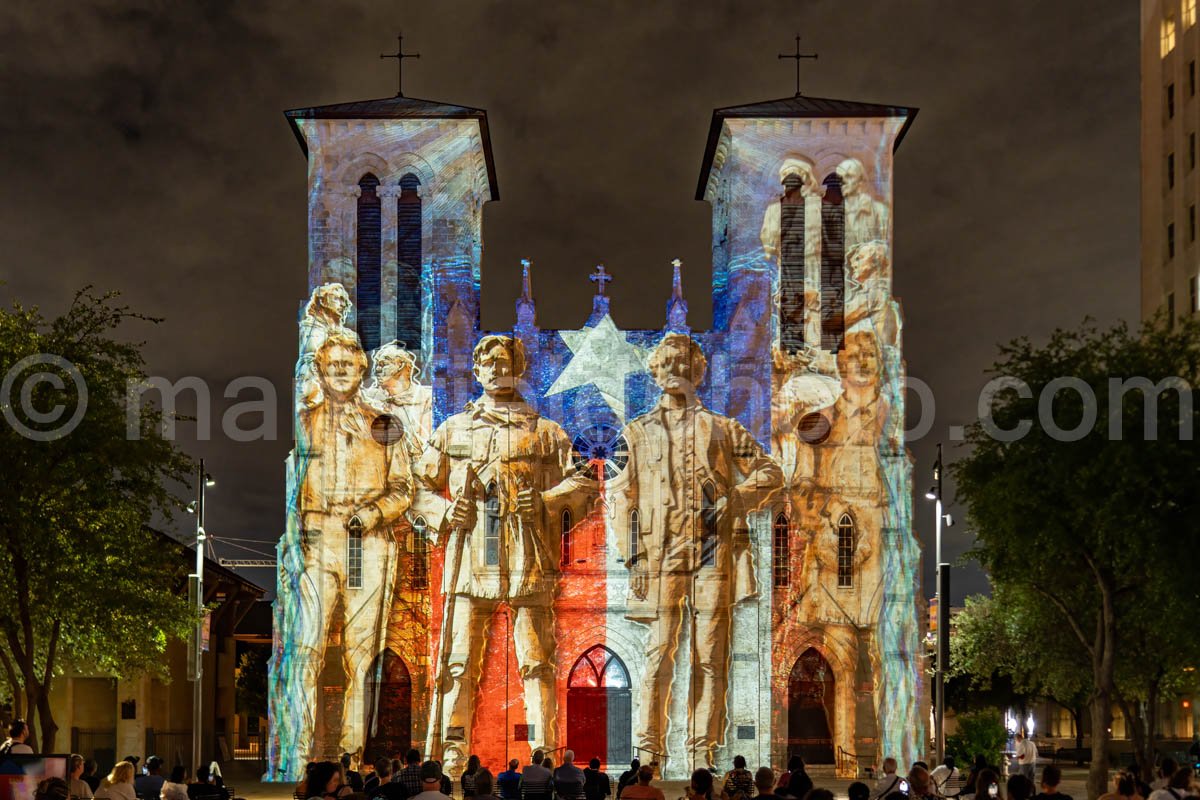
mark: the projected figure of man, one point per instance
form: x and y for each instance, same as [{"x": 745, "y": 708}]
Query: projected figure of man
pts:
[
  {"x": 867, "y": 219},
  {"x": 692, "y": 477},
  {"x": 352, "y": 489},
  {"x": 508, "y": 553},
  {"x": 396, "y": 390}
]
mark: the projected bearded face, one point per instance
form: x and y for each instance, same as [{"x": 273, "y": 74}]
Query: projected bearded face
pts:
[
  {"x": 341, "y": 369},
  {"x": 859, "y": 361}
]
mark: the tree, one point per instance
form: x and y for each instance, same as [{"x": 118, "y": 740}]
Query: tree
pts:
[
  {"x": 251, "y": 684},
  {"x": 1013, "y": 640},
  {"x": 1086, "y": 511},
  {"x": 84, "y": 580},
  {"x": 979, "y": 734}
]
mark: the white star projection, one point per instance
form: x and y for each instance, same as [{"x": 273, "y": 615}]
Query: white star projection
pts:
[{"x": 603, "y": 357}]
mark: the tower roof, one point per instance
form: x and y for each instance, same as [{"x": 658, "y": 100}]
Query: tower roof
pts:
[
  {"x": 796, "y": 107},
  {"x": 399, "y": 107}
]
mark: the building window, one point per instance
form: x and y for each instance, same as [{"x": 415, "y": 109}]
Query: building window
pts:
[
  {"x": 370, "y": 258},
  {"x": 491, "y": 531},
  {"x": 565, "y": 534},
  {"x": 1170, "y": 170},
  {"x": 1191, "y": 151},
  {"x": 1189, "y": 13},
  {"x": 781, "y": 551},
  {"x": 833, "y": 265},
  {"x": 1170, "y": 241},
  {"x": 1193, "y": 297},
  {"x": 1170, "y": 309},
  {"x": 708, "y": 516},
  {"x": 354, "y": 556},
  {"x": 420, "y": 554},
  {"x": 1192, "y": 223},
  {"x": 791, "y": 266},
  {"x": 1192, "y": 78},
  {"x": 635, "y": 524},
  {"x": 845, "y": 557},
  {"x": 1167, "y": 36},
  {"x": 1170, "y": 101},
  {"x": 408, "y": 268}
]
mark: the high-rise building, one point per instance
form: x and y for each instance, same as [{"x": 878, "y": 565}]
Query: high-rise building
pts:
[{"x": 1170, "y": 180}]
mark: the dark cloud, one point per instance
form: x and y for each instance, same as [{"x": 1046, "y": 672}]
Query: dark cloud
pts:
[{"x": 144, "y": 149}]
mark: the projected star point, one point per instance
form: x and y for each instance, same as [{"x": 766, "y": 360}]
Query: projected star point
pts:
[{"x": 603, "y": 357}]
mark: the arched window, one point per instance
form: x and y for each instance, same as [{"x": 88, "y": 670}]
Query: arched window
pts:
[
  {"x": 408, "y": 270},
  {"x": 491, "y": 531},
  {"x": 791, "y": 266},
  {"x": 708, "y": 516},
  {"x": 635, "y": 531},
  {"x": 420, "y": 554},
  {"x": 565, "y": 558},
  {"x": 845, "y": 558},
  {"x": 354, "y": 556},
  {"x": 370, "y": 251},
  {"x": 833, "y": 268},
  {"x": 781, "y": 552}
]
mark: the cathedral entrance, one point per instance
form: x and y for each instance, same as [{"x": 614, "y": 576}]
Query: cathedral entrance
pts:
[
  {"x": 599, "y": 708},
  {"x": 388, "y": 707},
  {"x": 810, "y": 709}
]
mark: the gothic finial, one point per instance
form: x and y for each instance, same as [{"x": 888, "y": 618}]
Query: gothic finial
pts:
[
  {"x": 677, "y": 280},
  {"x": 526, "y": 282}
]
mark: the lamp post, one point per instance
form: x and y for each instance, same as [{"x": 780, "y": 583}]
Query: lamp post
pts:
[
  {"x": 942, "y": 654},
  {"x": 196, "y": 595}
]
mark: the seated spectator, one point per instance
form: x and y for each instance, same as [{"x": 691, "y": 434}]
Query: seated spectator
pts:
[
  {"x": 1019, "y": 788},
  {"x": 1051, "y": 778},
  {"x": 569, "y": 779},
  {"x": 700, "y": 787},
  {"x": 1166, "y": 769},
  {"x": 764, "y": 781},
  {"x": 596, "y": 785},
  {"x": 89, "y": 774},
  {"x": 799, "y": 783},
  {"x": 410, "y": 776},
  {"x": 385, "y": 787},
  {"x": 888, "y": 780},
  {"x": 150, "y": 785},
  {"x": 984, "y": 783},
  {"x": 350, "y": 775},
  {"x": 819, "y": 794},
  {"x": 642, "y": 790},
  {"x": 485, "y": 785},
  {"x": 628, "y": 777},
  {"x": 537, "y": 782},
  {"x": 944, "y": 778},
  {"x": 432, "y": 782},
  {"x": 118, "y": 785},
  {"x": 175, "y": 787},
  {"x": 1177, "y": 788},
  {"x": 509, "y": 781},
  {"x": 52, "y": 789},
  {"x": 203, "y": 787},
  {"x": 738, "y": 783},
  {"x": 858, "y": 791},
  {"x": 919, "y": 784},
  {"x": 468, "y": 777},
  {"x": 1124, "y": 788},
  {"x": 76, "y": 786},
  {"x": 324, "y": 782}
]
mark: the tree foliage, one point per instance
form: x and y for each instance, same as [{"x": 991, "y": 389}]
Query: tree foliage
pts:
[
  {"x": 84, "y": 580},
  {"x": 1099, "y": 527},
  {"x": 251, "y": 684},
  {"x": 979, "y": 734}
]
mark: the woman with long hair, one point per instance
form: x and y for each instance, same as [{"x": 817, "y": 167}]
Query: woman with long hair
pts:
[{"x": 118, "y": 784}]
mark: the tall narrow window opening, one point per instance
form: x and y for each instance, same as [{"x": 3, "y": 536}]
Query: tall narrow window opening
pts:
[
  {"x": 408, "y": 268},
  {"x": 708, "y": 517},
  {"x": 833, "y": 266},
  {"x": 565, "y": 558},
  {"x": 491, "y": 532},
  {"x": 845, "y": 558},
  {"x": 635, "y": 531},
  {"x": 791, "y": 266},
  {"x": 370, "y": 251},
  {"x": 354, "y": 556},
  {"x": 781, "y": 551},
  {"x": 420, "y": 554}
]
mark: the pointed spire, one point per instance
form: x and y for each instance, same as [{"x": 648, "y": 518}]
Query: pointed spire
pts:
[
  {"x": 677, "y": 307},
  {"x": 526, "y": 311}
]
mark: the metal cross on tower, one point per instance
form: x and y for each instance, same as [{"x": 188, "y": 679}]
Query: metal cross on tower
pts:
[
  {"x": 400, "y": 55},
  {"x": 600, "y": 278},
  {"x": 798, "y": 55}
]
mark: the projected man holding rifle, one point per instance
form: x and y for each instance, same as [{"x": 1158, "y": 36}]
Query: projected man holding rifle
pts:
[{"x": 498, "y": 461}]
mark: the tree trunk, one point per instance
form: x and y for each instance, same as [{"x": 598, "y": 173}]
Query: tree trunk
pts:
[
  {"x": 1104, "y": 681},
  {"x": 31, "y": 701},
  {"x": 10, "y": 675},
  {"x": 1077, "y": 722},
  {"x": 46, "y": 720}
]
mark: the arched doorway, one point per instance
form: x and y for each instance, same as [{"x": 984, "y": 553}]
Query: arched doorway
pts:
[
  {"x": 599, "y": 707},
  {"x": 388, "y": 707},
  {"x": 811, "y": 709}
]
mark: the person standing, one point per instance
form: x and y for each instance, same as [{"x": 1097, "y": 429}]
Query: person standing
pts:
[
  {"x": 692, "y": 477},
  {"x": 596, "y": 784},
  {"x": 1026, "y": 753},
  {"x": 500, "y": 461},
  {"x": 468, "y": 777},
  {"x": 888, "y": 781},
  {"x": 945, "y": 776}
]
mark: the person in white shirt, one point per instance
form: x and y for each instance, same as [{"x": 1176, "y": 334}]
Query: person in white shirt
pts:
[
  {"x": 1026, "y": 753},
  {"x": 75, "y": 782},
  {"x": 431, "y": 782},
  {"x": 18, "y": 732},
  {"x": 118, "y": 785},
  {"x": 1178, "y": 788},
  {"x": 945, "y": 778}
]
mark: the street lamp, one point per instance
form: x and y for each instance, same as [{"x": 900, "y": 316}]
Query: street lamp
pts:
[
  {"x": 196, "y": 595},
  {"x": 943, "y": 614}
]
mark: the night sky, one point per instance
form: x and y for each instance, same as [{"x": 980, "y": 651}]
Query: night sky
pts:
[{"x": 144, "y": 149}]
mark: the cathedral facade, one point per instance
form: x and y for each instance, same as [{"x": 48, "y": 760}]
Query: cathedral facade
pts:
[{"x": 667, "y": 544}]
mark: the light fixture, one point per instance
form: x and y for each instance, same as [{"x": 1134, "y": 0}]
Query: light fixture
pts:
[
  {"x": 191, "y": 507},
  {"x": 931, "y": 494},
  {"x": 208, "y": 481},
  {"x": 949, "y": 520}
]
